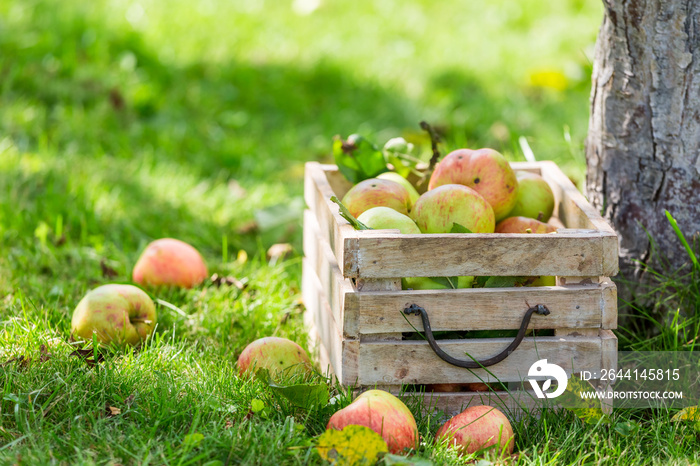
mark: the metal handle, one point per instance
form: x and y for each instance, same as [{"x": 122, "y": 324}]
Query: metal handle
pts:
[{"x": 539, "y": 309}]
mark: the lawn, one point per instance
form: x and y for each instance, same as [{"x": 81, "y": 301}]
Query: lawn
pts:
[{"x": 124, "y": 122}]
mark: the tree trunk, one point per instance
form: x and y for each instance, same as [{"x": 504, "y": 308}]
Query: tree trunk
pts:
[{"x": 643, "y": 143}]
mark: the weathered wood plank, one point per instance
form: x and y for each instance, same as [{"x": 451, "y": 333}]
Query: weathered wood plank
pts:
[
  {"x": 495, "y": 254},
  {"x": 483, "y": 308},
  {"x": 320, "y": 257},
  {"x": 342, "y": 352},
  {"x": 408, "y": 362},
  {"x": 388, "y": 284},
  {"x": 319, "y": 314},
  {"x": 333, "y": 228},
  {"x": 609, "y": 304}
]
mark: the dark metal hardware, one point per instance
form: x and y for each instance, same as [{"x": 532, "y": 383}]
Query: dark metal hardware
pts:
[{"x": 539, "y": 309}]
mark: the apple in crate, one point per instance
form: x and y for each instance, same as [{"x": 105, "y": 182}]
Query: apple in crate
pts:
[
  {"x": 438, "y": 210},
  {"x": 383, "y": 413},
  {"x": 524, "y": 225},
  {"x": 484, "y": 170},
  {"x": 476, "y": 428},
  {"x": 393, "y": 176},
  {"x": 115, "y": 314},
  {"x": 385, "y": 218},
  {"x": 377, "y": 193},
  {"x": 170, "y": 262},
  {"x": 535, "y": 197},
  {"x": 278, "y": 355}
]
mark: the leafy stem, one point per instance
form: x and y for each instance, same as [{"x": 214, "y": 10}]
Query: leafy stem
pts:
[{"x": 345, "y": 213}]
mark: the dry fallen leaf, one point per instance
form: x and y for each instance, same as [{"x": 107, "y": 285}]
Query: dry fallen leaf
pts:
[
  {"x": 279, "y": 251},
  {"x": 112, "y": 411}
]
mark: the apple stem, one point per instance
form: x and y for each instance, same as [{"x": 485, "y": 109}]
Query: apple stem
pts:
[
  {"x": 434, "y": 140},
  {"x": 540, "y": 216},
  {"x": 345, "y": 213}
]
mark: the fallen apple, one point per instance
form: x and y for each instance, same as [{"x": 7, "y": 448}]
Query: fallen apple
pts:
[
  {"x": 170, "y": 262},
  {"x": 377, "y": 193},
  {"x": 393, "y": 176},
  {"x": 484, "y": 170},
  {"x": 476, "y": 428},
  {"x": 278, "y": 355},
  {"x": 438, "y": 210},
  {"x": 383, "y": 413},
  {"x": 385, "y": 218},
  {"x": 535, "y": 198},
  {"x": 524, "y": 225},
  {"x": 118, "y": 314}
]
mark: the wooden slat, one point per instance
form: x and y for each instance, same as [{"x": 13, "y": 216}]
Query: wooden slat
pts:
[
  {"x": 320, "y": 315},
  {"x": 444, "y": 255},
  {"x": 335, "y": 230},
  {"x": 343, "y": 353},
  {"x": 411, "y": 362},
  {"x": 609, "y": 304},
  {"x": 484, "y": 308},
  {"x": 318, "y": 352},
  {"x": 321, "y": 259}
]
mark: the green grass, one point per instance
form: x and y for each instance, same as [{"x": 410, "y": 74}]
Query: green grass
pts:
[{"x": 125, "y": 122}]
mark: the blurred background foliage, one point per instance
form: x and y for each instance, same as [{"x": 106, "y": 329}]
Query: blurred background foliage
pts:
[{"x": 124, "y": 121}]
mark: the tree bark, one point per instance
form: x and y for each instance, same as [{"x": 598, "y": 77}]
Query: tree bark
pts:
[{"x": 643, "y": 143}]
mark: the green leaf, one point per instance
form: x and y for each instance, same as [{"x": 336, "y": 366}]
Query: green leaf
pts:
[
  {"x": 457, "y": 228},
  {"x": 257, "y": 405},
  {"x": 480, "y": 282},
  {"x": 192, "y": 440},
  {"x": 452, "y": 281},
  {"x": 306, "y": 396},
  {"x": 357, "y": 158},
  {"x": 626, "y": 428},
  {"x": 354, "y": 445},
  {"x": 345, "y": 213},
  {"x": 399, "y": 153},
  {"x": 42, "y": 232}
]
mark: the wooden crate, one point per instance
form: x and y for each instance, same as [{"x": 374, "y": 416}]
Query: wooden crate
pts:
[{"x": 352, "y": 292}]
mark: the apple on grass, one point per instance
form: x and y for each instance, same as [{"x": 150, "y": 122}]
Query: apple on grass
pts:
[
  {"x": 524, "y": 225},
  {"x": 170, "y": 262},
  {"x": 278, "y": 355},
  {"x": 535, "y": 197},
  {"x": 114, "y": 314},
  {"x": 439, "y": 210},
  {"x": 476, "y": 428},
  {"x": 383, "y": 413},
  {"x": 484, "y": 170},
  {"x": 375, "y": 192},
  {"x": 385, "y": 218}
]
